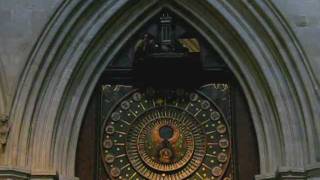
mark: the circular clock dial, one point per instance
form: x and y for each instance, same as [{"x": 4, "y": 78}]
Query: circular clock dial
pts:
[{"x": 172, "y": 134}]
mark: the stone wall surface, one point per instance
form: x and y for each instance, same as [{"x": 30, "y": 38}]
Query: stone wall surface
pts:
[
  {"x": 21, "y": 22},
  {"x": 304, "y": 18},
  {"x": 279, "y": 79}
]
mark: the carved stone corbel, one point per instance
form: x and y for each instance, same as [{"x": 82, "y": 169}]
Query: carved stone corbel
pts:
[{"x": 4, "y": 130}]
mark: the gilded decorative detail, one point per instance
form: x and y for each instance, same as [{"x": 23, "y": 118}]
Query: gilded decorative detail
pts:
[{"x": 166, "y": 134}]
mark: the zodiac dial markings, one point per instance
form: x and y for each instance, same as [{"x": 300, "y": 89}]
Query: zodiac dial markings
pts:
[{"x": 172, "y": 134}]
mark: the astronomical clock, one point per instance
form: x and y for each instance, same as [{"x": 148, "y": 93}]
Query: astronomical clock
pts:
[
  {"x": 168, "y": 134},
  {"x": 164, "y": 127},
  {"x": 167, "y": 108}
]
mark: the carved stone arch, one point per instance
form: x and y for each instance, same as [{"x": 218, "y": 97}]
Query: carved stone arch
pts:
[{"x": 83, "y": 36}]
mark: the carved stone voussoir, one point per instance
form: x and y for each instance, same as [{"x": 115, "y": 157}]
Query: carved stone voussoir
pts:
[{"x": 4, "y": 130}]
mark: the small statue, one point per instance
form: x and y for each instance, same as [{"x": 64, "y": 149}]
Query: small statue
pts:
[
  {"x": 4, "y": 131},
  {"x": 144, "y": 46}
]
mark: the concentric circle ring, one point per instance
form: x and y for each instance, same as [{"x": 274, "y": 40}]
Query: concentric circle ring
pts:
[
  {"x": 146, "y": 163},
  {"x": 186, "y": 137}
]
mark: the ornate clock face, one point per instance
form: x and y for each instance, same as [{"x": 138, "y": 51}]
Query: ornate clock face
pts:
[{"x": 171, "y": 134}]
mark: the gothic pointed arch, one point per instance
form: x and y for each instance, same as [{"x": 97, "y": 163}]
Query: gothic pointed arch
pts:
[{"x": 82, "y": 38}]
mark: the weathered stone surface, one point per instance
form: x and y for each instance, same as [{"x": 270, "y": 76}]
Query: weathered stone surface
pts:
[
  {"x": 304, "y": 19},
  {"x": 21, "y": 23}
]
